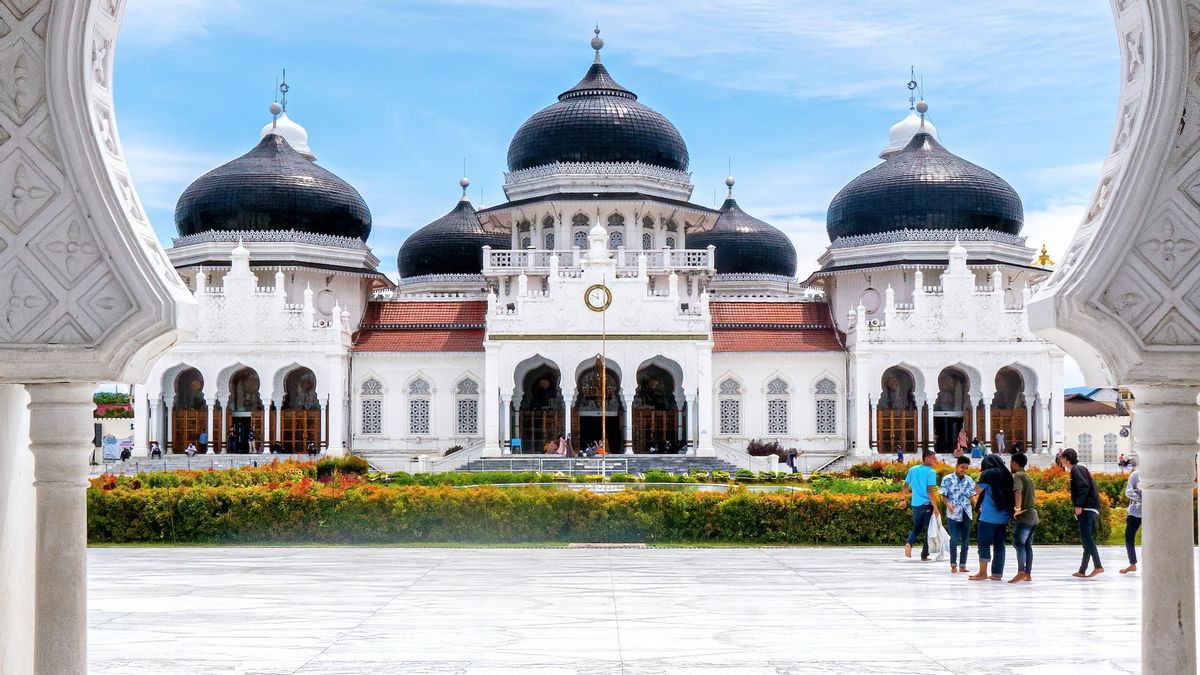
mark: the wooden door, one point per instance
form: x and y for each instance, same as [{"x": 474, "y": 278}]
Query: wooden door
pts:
[
  {"x": 896, "y": 429},
  {"x": 1013, "y": 422},
  {"x": 186, "y": 427},
  {"x": 297, "y": 428},
  {"x": 654, "y": 427}
]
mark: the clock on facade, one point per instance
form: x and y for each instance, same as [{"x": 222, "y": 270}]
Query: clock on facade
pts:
[{"x": 597, "y": 297}]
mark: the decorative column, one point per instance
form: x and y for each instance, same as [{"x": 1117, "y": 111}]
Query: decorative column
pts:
[
  {"x": 988, "y": 441},
  {"x": 506, "y": 421},
  {"x": 859, "y": 368},
  {"x": 168, "y": 444},
  {"x": 704, "y": 404},
  {"x": 208, "y": 427},
  {"x": 628, "y": 420},
  {"x": 1044, "y": 423},
  {"x": 1166, "y": 440},
  {"x": 60, "y": 423},
  {"x": 324, "y": 426},
  {"x": 264, "y": 443},
  {"x": 141, "y": 421},
  {"x": 920, "y": 424},
  {"x": 1028, "y": 443},
  {"x": 689, "y": 412},
  {"x": 491, "y": 398},
  {"x": 566, "y": 425}
]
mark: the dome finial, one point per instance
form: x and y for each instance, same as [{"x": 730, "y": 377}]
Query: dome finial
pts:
[
  {"x": 597, "y": 42},
  {"x": 729, "y": 181},
  {"x": 912, "y": 86}
]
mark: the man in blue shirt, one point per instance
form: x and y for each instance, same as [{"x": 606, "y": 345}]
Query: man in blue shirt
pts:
[{"x": 921, "y": 483}]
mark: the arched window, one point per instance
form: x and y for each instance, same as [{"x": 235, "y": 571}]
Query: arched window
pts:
[
  {"x": 581, "y": 239},
  {"x": 1111, "y": 455},
  {"x": 526, "y": 242},
  {"x": 419, "y": 406},
  {"x": 615, "y": 240},
  {"x": 548, "y": 222},
  {"x": 647, "y": 241},
  {"x": 778, "y": 407},
  {"x": 671, "y": 242},
  {"x": 647, "y": 221},
  {"x": 467, "y": 392},
  {"x": 826, "y": 406},
  {"x": 729, "y": 407},
  {"x": 1085, "y": 448},
  {"x": 371, "y": 421},
  {"x": 616, "y": 231}
]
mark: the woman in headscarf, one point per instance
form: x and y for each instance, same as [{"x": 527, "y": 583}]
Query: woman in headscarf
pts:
[{"x": 994, "y": 494}]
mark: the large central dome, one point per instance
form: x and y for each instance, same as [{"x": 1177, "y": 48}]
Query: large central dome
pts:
[{"x": 597, "y": 120}]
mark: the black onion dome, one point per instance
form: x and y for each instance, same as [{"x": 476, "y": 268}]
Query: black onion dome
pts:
[
  {"x": 924, "y": 187},
  {"x": 452, "y": 244},
  {"x": 597, "y": 120},
  {"x": 746, "y": 245},
  {"x": 273, "y": 187}
]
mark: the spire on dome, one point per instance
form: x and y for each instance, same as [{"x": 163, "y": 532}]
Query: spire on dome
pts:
[
  {"x": 283, "y": 126},
  {"x": 915, "y": 123},
  {"x": 597, "y": 42}
]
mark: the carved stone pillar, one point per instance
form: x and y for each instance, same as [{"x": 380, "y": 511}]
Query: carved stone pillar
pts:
[
  {"x": 141, "y": 415},
  {"x": 208, "y": 426},
  {"x": 1165, "y": 437},
  {"x": 627, "y": 419},
  {"x": 988, "y": 441},
  {"x": 168, "y": 444},
  {"x": 60, "y": 421}
]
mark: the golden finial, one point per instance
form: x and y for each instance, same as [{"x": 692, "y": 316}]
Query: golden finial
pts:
[{"x": 1043, "y": 259}]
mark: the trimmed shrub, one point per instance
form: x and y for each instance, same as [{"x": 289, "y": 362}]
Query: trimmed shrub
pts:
[{"x": 346, "y": 510}]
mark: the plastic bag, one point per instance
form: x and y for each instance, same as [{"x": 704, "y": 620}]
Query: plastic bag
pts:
[{"x": 938, "y": 538}]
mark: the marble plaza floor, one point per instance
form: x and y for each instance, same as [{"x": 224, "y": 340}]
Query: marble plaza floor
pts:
[{"x": 597, "y": 611}]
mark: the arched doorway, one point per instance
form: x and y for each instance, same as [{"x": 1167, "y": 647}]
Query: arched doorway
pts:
[
  {"x": 541, "y": 412},
  {"x": 950, "y": 410},
  {"x": 592, "y": 422},
  {"x": 189, "y": 412},
  {"x": 1009, "y": 414},
  {"x": 300, "y": 413},
  {"x": 244, "y": 412},
  {"x": 656, "y": 413},
  {"x": 896, "y": 412}
]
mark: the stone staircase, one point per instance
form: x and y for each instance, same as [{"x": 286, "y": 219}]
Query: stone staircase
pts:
[{"x": 633, "y": 464}]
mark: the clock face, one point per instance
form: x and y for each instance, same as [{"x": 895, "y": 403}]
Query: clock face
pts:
[{"x": 597, "y": 297}]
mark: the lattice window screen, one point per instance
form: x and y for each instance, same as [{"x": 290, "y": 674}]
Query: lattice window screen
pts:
[
  {"x": 731, "y": 417},
  {"x": 418, "y": 416},
  {"x": 372, "y": 416},
  {"x": 826, "y": 416},
  {"x": 777, "y": 416}
]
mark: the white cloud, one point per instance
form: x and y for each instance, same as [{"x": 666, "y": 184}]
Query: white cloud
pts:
[
  {"x": 1054, "y": 224},
  {"x": 157, "y": 23},
  {"x": 161, "y": 171}
]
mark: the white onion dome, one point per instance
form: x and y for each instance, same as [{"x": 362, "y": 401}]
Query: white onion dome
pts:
[
  {"x": 903, "y": 131},
  {"x": 293, "y": 133}
]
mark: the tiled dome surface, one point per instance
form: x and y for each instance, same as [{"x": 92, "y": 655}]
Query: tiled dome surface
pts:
[
  {"x": 746, "y": 245},
  {"x": 924, "y": 187},
  {"x": 272, "y": 187}
]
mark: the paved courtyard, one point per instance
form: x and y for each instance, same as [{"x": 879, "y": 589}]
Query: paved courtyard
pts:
[{"x": 541, "y": 611}]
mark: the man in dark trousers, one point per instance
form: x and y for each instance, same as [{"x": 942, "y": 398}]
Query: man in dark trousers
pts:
[{"x": 1086, "y": 499}]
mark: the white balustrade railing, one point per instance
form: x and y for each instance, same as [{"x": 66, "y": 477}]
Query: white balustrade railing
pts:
[{"x": 539, "y": 260}]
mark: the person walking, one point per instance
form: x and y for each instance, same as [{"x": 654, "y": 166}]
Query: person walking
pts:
[
  {"x": 960, "y": 444},
  {"x": 1025, "y": 517},
  {"x": 1086, "y": 499},
  {"x": 1133, "y": 517},
  {"x": 994, "y": 493},
  {"x": 957, "y": 491},
  {"x": 921, "y": 482},
  {"x": 791, "y": 459},
  {"x": 899, "y": 454},
  {"x": 999, "y": 447}
]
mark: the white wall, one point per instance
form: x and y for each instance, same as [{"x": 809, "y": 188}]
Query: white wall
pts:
[
  {"x": 801, "y": 370},
  {"x": 17, "y": 524},
  {"x": 443, "y": 370},
  {"x": 1098, "y": 426}
]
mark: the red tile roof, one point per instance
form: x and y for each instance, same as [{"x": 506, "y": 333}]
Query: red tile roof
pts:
[
  {"x": 1077, "y": 405},
  {"x": 771, "y": 313},
  {"x": 774, "y": 327},
  {"x": 416, "y": 326},
  {"x": 438, "y": 340},
  {"x": 766, "y": 340},
  {"x": 425, "y": 313}
]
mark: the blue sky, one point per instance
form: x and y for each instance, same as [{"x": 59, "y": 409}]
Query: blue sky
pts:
[{"x": 799, "y": 94}]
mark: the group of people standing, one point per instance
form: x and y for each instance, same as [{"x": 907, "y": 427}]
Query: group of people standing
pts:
[{"x": 1004, "y": 495}]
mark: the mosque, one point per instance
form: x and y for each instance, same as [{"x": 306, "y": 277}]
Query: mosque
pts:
[{"x": 600, "y": 303}]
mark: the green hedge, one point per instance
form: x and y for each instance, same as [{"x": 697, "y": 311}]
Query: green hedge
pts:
[{"x": 348, "y": 511}]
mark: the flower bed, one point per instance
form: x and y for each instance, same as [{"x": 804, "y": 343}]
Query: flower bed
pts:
[{"x": 345, "y": 508}]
